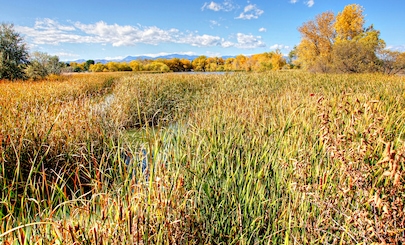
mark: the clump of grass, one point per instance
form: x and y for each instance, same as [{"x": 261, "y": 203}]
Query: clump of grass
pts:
[{"x": 154, "y": 99}]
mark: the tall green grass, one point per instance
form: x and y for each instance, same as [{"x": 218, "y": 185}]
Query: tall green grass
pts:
[{"x": 241, "y": 158}]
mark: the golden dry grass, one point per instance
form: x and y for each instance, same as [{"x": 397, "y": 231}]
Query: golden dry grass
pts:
[{"x": 241, "y": 158}]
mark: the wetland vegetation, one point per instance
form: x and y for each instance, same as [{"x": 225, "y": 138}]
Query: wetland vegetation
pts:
[{"x": 239, "y": 158}]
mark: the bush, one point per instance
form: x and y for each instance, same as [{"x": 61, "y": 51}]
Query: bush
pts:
[{"x": 42, "y": 65}]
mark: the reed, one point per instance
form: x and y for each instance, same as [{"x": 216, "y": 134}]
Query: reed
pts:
[{"x": 238, "y": 158}]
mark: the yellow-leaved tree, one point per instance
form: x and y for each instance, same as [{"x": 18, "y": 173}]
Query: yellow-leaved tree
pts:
[
  {"x": 277, "y": 60},
  {"x": 314, "y": 51},
  {"x": 198, "y": 63},
  {"x": 349, "y": 23},
  {"x": 356, "y": 47},
  {"x": 135, "y": 65},
  {"x": 266, "y": 61},
  {"x": 99, "y": 67},
  {"x": 240, "y": 63},
  {"x": 260, "y": 62},
  {"x": 340, "y": 44}
]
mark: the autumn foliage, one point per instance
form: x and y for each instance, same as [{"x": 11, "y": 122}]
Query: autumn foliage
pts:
[
  {"x": 341, "y": 43},
  {"x": 258, "y": 62}
]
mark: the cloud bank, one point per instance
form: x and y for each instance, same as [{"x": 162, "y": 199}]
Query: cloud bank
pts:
[{"x": 48, "y": 31}]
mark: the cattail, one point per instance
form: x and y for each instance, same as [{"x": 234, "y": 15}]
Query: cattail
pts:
[
  {"x": 385, "y": 209},
  {"x": 397, "y": 179},
  {"x": 377, "y": 201},
  {"x": 387, "y": 151}
]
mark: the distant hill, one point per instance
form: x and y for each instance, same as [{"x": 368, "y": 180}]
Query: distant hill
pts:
[
  {"x": 178, "y": 56},
  {"x": 142, "y": 57},
  {"x": 131, "y": 58}
]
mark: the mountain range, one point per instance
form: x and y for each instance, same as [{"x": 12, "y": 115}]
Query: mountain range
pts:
[{"x": 142, "y": 57}]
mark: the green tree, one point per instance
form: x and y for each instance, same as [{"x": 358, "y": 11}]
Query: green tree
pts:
[
  {"x": 13, "y": 53},
  {"x": 87, "y": 64},
  {"x": 292, "y": 56}
]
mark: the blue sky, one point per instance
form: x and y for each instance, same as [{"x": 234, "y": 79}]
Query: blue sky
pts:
[{"x": 115, "y": 29}]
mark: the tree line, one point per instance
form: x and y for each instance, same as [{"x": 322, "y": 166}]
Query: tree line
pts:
[
  {"x": 343, "y": 44},
  {"x": 259, "y": 62}
]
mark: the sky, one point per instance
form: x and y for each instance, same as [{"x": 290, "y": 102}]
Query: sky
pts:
[{"x": 106, "y": 29}]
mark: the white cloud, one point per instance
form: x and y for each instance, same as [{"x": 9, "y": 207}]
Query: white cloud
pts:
[
  {"x": 127, "y": 35},
  {"x": 47, "y": 31},
  {"x": 51, "y": 32},
  {"x": 51, "y": 24},
  {"x": 279, "y": 46},
  {"x": 400, "y": 48},
  {"x": 51, "y": 36},
  {"x": 249, "y": 41},
  {"x": 225, "y": 6},
  {"x": 310, "y": 3},
  {"x": 65, "y": 54},
  {"x": 214, "y": 23},
  {"x": 201, "y": 40},
  {"x": 228, "y": 5},
  {"x": 227, "y": 44},
  {"x": 211, "y": 6},
  {"x": 250, "y": 12},
  {"x": 262, "y": 29}
]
